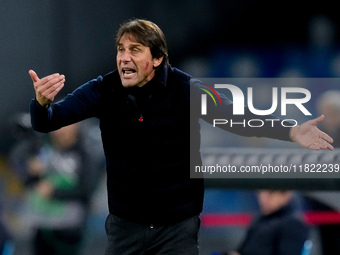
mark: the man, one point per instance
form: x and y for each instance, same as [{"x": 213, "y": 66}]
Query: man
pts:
[
  {"x": 328, "y": 103},
  {"x": 278, "y": 230},
  {"x": 144, "y": 114},
  {"x": 60, "y": 174}
]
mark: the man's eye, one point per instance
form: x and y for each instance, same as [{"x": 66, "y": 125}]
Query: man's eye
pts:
[
  {"x": 135, "y": 50},
  {"x": 120, "y": 50}
]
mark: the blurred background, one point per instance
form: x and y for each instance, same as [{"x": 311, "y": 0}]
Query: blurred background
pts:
[{"x": 243, "y": 38}]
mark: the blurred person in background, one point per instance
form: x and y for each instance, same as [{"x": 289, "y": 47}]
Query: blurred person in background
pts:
[
  {"x": 61, "y": 174},
  {"x": 6, "y": 239},
  {"x": 328, "y": 103},
  {"x": 278, "y": 230}
]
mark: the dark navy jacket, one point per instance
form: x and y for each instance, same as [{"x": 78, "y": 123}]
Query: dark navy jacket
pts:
[
  {"x": 280, "y": 233},
  {"x": 146, "y": 137}
]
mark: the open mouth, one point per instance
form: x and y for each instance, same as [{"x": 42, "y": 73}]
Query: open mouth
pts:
[{"x": 128, "y": 72}]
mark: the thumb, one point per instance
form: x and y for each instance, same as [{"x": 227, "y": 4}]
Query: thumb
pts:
[
  {"x": 33, "y": 75},
  {"x": 317, "y": 120}
]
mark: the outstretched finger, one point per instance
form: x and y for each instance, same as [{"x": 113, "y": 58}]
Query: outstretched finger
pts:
[
  {"x": 321, "y": 145},
  {"x": 326, "y": 137},
  {"x": 330, "y": 147},
  {"x": 325, "y": 145}
]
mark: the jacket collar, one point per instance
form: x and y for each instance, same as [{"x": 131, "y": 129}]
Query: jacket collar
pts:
[
  {"x": 163, "y": 74},
  {"x": 285, "y": 210}
]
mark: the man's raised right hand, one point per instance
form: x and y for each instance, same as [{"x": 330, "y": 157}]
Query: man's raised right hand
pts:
[{"x": 47, "y": 88}]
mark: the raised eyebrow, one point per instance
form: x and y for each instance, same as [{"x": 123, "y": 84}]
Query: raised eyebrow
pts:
[{"x": 135, "y": 45}]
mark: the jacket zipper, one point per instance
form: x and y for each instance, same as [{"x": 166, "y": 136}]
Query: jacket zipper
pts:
[{"x": 134, "y": 101}]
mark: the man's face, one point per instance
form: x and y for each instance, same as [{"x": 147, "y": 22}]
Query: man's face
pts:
[
  {"x": 271, "y": 201},
  {"x": 134, "y": 62}
]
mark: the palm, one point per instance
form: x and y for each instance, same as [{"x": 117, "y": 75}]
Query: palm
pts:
[{"x": 309, "y": 136}]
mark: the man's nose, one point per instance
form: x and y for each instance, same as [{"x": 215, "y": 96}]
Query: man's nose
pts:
[{"x": 125, "y": 56}]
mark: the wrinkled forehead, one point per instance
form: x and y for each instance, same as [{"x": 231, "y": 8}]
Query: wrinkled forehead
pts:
[{"x": 132, "y": 38}]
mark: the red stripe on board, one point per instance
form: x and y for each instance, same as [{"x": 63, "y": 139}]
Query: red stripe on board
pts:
[
  {"x": 220, "y": 220},
  {"x": 322, "y": 217},
  {"x": 244, "y": 219}
]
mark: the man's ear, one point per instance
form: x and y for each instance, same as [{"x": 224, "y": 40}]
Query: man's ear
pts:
[{"x": 157, "y": 61}]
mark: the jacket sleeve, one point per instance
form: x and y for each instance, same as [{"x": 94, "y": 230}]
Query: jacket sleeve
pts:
[
  {"x": 220, "y": 113},
  {"x": 76, "y": 106}
]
